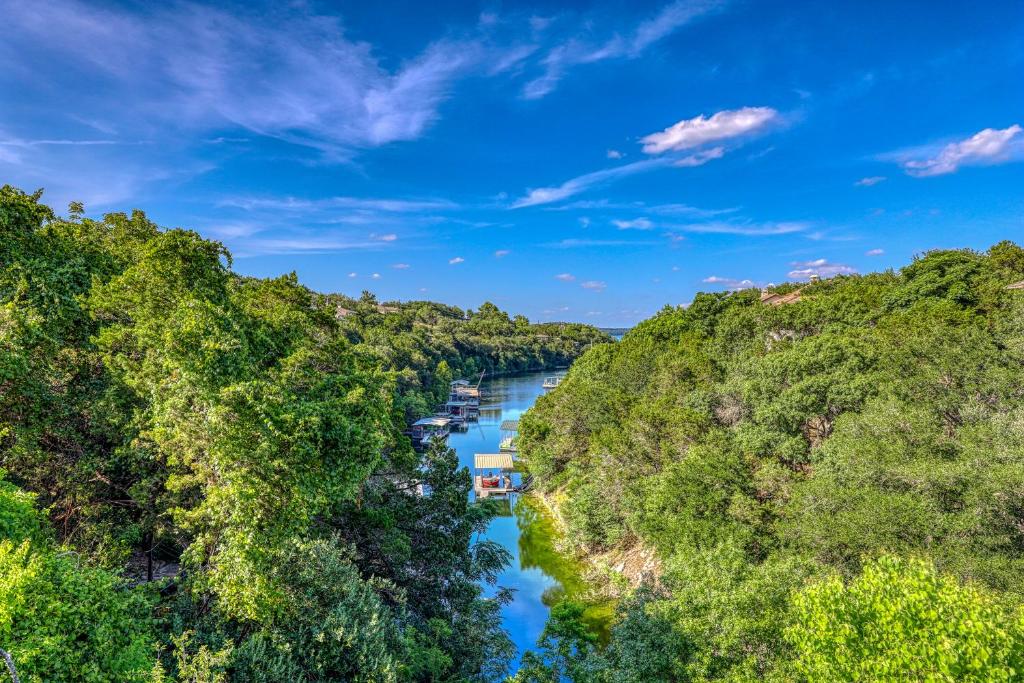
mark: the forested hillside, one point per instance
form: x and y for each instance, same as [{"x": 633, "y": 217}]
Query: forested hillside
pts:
[
  {"x": 834, "y": 487},
  {"x": 428, "y": 344},
  {"x": 204, "y": 477}
]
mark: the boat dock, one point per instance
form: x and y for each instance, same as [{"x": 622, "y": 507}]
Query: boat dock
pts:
[
  {"x": 509, "y": 432},
  {"x": 492, "y": 475},
  {"x": 551, "y": 382}
]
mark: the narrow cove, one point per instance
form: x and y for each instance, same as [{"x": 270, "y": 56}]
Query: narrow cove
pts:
[{"x": 539, "y": 574}]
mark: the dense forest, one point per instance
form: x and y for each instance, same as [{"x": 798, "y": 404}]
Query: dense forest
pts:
[
  {"x": 203, "y": 475},
  {"x": 833, "y": 485}
]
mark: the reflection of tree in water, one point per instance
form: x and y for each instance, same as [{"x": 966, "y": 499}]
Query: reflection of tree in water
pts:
[
  {"x": 502, "y": 506},
  {"x": 537, "y": 535},
  {"x": 537, "y": 548}
]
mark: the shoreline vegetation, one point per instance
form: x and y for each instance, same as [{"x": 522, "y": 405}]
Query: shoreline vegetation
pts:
[
  {"x": 204, "y": 477},
  {"x": 831, "y": 476}
]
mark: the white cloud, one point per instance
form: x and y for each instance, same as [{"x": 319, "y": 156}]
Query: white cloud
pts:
[
  {"x": 702, "y": 130},
  {"x": 565, "y": 277},
  {"x": 870, "y": 180},
  {"x": 594, "y": 285},
  {"x": 746, "y": 229},
  {"x": 671, "y": 17},
  {"x": 874, "y": 252},
  {"x": 685, "y": 135},
  {"x": 638, "y": 206},
  {"x": 502, "y": 253},
  {"x": 820, "y": 267},
  {"x": 286, "y": 72},
  {"x": 353, "y": 274},
  {"x": 573, "y": 243},
  {"x": 298, "y": 204},
  {"x": 456, "y": 260},
  {"x": 700, "y": 158},
  {"x": 990, "y": 146},
  {"x": 634, "y": 224},
  {"x": 729, "y": 283},
  {"x": 389, "y": 237},
  {"x": 400, "y": 266},
  {"x": 577, "y": 51},
  {"x": 614, "y": 154},
  {"x": 319, "y": 244},
  {"x": 548, "y": 195},
  {"x": 376, "y": 276}
]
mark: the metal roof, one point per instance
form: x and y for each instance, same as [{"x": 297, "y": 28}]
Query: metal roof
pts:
[
  {"x": 510, "y": 426},
  {"x": 432, "y": 421},
  {"x": 491, "y": 461}
]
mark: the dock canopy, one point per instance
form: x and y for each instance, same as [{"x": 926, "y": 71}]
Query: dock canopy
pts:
[
  {"x": 492, "y": 461},
  {"x": 431, "y": 422},
  {"x": 510, "y": 426}
]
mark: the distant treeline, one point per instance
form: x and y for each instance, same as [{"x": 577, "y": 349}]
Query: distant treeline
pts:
[
  {"x": 834, "y": 486},
  {"x": 203, "y": 475}
]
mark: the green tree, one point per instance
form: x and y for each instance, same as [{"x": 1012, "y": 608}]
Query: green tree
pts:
[{"x": 900, "y": 620}]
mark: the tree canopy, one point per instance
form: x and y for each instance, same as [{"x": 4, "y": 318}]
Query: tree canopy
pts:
[{"x": 785, "y": 461}]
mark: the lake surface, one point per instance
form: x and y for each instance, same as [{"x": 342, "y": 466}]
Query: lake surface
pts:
[{"x": 538, "y": 574}]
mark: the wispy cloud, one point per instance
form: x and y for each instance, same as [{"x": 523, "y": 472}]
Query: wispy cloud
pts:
[
  {"x": 986, "y": 147},
  {"x": 700, "y": 158},
  {"x": 870, "y": 180},
  {"x": 573, "y": 243},
  {"x": 594, "y": 285},
  {"x": 614, "y": 154},
  {"x": 299, "y": 204},
  {"x": 320, "y": 244},
  {"x": 206, "y": 66},
  {"x": 565, "y": 277},
  {"x": 634, "y": 224},
  {"x": 456, "y": 260},
  {"x": 574, "y": 186},
  {"x": 820, "y": 267},
  {"x": 558, "y": 61},
  {"x": 745, "y": 229},
  {"x": 400, "y": 266},
  {"x": 688, "y": 135},
  {"x": 502, "y": 253},
  {"x": 672, "y": 209},
  {"x": 874, "y": 252},
  {"x": 701, "y": 130}
]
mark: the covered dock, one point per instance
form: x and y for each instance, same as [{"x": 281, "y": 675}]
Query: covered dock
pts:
[
  {"x": 509, "y": 432},
  {"x": 429, "y": 429},
  {"x": 492, "y": 474},
  {"x": 551, "y": 382}
]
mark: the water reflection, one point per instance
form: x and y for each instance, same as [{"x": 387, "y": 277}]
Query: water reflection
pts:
[{"x": 539, "y": 575}]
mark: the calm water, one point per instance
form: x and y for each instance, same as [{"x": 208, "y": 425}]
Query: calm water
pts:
[{"x": 538, "y": 574}]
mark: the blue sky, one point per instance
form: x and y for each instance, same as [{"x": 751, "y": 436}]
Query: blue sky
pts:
[{"x": 584, "y": 162}]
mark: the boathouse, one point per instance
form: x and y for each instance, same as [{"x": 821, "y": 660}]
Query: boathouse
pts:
[
  {"x": 509, "y": 432},
  {"x": 492, "y": 474},
  {"x": 429, "y": 429}
]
